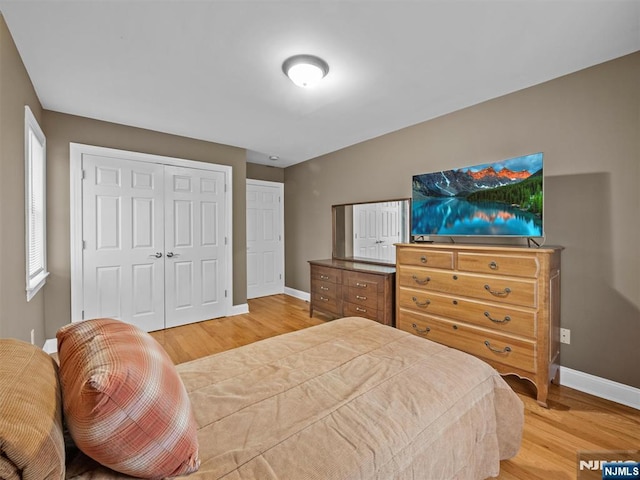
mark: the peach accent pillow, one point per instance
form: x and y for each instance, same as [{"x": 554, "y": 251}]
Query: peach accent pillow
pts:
[{"x": 124, "y": 402}]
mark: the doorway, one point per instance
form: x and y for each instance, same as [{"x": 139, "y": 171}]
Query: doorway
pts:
[{"x": 265, "y": 238}]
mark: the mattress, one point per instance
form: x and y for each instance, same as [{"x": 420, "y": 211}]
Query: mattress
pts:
[{"x": 348, "y": 399}]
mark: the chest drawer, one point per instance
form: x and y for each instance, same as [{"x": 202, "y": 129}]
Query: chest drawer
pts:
[
  {"x": 509, "y": 290},
  {"x": 504, "y": 319},
  {"x": 509, "y": 265},
  {"x": 420, "y": 258},
  {"x": 503, "y": 349},
  {"x": 325, "y": 274}
]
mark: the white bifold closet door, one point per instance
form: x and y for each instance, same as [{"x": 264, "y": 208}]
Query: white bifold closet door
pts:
[
  {"x": 152, "y": 242},
  {"x": 376, "y": 227}
]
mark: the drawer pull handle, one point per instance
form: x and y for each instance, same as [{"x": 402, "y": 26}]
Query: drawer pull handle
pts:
[
  {"x": 326, "y": 289},
  {"x": 507, "y": 318},
  {"x": 423, "y": 259},
  {"x": 324, "y": 277},
  {"x": 324, "y": 299},
  {"x": 363, "y": 310},
  {"x": 421, "y": 282},
  {"x": 421, "y": 304},
  {"x": 506, "y": 349},
  {"x": 493, "y": 265},
  {"x": 361, "y": 285},
  {"x": 415, "y": 327},
  {"x": 495, "y": 293},
  {"x": 360, "y": 297}
]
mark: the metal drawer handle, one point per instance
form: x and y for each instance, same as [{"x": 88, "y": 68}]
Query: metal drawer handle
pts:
[
  {"x": 495, "y": 293},
  {"x": 421, "y": 282},
  {"x": 360, "y": 297},
  {"x": 361, "y": 285},
  {"x": 326, "y": 289},
  {"x": 421, "y": 304},
  {"x": 415, "y": 327},
  {"x": 493, "y": 265},
  {"x": 507, "y": 318},
  {"x": 506, "y": 349},
  {"x": 324, "y": 299},
  {"x": 363, "y": 310},
  {"x": 423, "y": 259},
  {"x": 324, "y": 277}
]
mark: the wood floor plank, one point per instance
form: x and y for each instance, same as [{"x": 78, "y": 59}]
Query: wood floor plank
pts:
[{"x": 552, "y": 437}]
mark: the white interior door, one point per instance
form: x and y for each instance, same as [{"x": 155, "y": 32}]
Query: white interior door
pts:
[
  {"x": 153, "y": 242},
  {"x": 194, "y": 242},
  {"x": 265, "y": 233},
  {"x": 123, "y": 233},
  {"x": 365, "y": 230},
  {"x": 376, "y": 228}
]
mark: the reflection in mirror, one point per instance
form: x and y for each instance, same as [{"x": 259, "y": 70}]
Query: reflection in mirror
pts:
[{"x": 368, "y": 231}]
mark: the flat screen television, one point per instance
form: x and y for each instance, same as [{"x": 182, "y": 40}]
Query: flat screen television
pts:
[{"x": 502, "y": 198}]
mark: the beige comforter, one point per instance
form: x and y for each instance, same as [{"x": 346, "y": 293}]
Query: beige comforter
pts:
[{"x": 350, "y": 399}]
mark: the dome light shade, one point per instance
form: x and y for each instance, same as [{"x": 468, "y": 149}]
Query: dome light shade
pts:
[{"x": 305, "y": 70}]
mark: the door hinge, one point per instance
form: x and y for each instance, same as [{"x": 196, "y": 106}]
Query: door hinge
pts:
[
  {"x": 82, "y": 314},
  {"x": 225, "y": 240},
  {"x": 280, "y": 276},
  {"x": 225, "y": 294},
  {"x": 84, "y": 174},
  {"x": 225, "y": 188},
  {"x": 84, "y": 244}
]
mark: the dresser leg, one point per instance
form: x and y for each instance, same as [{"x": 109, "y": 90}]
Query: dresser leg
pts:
[{"x": 543, "y": 391}]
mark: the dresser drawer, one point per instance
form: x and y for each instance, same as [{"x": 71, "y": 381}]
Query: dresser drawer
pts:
[
  {"x": 509, "y": 290},
  {"x": 504, "y": 319},
  {"x": 360, "y": 296},
  {"x": 325, "y": 302},
  {"x": 503, "y": 349},
  {"x": 510, "y": 265},
  {"x": 325, "y": 274},
  {"x": 326, "y": 288},
  {"x": 354, "y": 310},
  {"x": 421, "y": 258},
  {"x": 362, "y": 281}
]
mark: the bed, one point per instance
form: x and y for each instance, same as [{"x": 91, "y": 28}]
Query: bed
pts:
[{"x": 349, "y": 399}]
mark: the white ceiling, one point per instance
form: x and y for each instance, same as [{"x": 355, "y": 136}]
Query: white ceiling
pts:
[{"x": 212, "y": 69}]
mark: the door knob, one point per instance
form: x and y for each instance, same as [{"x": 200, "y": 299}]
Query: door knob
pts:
[
  {"x": 158, "y": 254},
  {"x": 170, "y": 254}
]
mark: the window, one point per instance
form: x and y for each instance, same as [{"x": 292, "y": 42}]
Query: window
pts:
[{"x": 35, "y": 204}]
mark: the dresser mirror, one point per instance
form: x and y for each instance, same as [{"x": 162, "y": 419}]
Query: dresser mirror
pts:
[{"x": 367, "y": 232}]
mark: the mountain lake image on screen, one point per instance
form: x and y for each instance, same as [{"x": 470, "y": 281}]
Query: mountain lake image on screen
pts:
[{"x": 503, "y": 198}]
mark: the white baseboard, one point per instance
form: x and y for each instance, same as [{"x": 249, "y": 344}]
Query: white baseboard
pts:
[
  {"x": 50, "y": 346},
  {"x": 239, "y": 309},
  {"x": 600, "y": 387},
  {"x": 297, "y": 294}
]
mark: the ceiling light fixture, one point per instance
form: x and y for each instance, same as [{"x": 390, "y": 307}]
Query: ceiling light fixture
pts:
[
  {"x": 274, "y": 158},
  {"x": 305, "y": 70}
]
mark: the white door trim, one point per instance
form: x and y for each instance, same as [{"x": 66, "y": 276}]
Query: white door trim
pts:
[
  {"x": 280, "y": 187},
  {"x": 75, "y": 180}
]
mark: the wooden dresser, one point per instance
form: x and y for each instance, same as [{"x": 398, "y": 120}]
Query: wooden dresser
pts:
[
  {"x": 501, "y": 304},
  {"x": 343, "y": 289}
]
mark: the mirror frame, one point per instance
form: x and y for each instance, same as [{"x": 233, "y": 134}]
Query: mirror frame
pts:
[{"x": 334, "y": 241}]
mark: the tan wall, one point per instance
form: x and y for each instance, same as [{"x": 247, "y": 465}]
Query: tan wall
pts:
[
  {"x": 267, "y": 173},
  {"x": 17, "y": 316},
  {"x": 62, "y": 129},
  {"x": 587, "y": 124}
]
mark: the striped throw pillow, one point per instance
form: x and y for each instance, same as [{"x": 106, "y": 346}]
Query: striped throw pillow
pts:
[{"x": 124, "y": 402}]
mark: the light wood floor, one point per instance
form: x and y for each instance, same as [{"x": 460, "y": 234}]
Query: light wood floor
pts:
[{"x": 552, "y": 437}]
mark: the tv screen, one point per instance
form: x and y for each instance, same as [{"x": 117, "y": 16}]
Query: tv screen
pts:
[{"x": 503, "y": 198}]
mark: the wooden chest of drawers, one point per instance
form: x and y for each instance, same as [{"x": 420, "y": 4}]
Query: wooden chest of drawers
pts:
[
  {"x": 501, "y": 304},
  {"x": 343, "y": 289}
]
